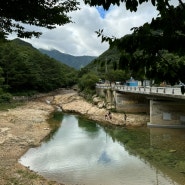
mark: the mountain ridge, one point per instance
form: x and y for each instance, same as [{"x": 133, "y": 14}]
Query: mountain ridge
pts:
[{"x": 76, "y": 62}]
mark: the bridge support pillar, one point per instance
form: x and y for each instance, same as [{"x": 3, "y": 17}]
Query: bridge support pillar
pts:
[
  {"x": 166, "y": 113},
  {"x": 131, "y": 103}
]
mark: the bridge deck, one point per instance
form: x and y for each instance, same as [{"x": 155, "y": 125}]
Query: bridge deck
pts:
[{"x": 172, "y": 92}]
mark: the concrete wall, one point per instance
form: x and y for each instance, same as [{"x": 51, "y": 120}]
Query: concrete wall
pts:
[
  {"x": 106, "y": 93},
  {"x": 125, "y": 102},
  {"x": 132, "y": 103},
  {"x": 167, "y": 112},
  {"x": 101, "y": 92}
]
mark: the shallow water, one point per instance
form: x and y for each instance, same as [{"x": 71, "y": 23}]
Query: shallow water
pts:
[{"x": 83, "y": 152}]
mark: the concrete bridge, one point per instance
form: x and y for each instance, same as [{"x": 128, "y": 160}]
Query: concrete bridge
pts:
[{"x": 165, "y": 105}]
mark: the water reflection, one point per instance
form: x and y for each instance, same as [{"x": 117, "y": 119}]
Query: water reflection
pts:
[
  {"x": 81, "y": 152},
  {"x": 104, "y": 158},
  {"x": 90, "y": 128}
]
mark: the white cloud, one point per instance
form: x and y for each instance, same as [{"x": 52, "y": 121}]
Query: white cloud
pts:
[{"x": 79, "y": 38}]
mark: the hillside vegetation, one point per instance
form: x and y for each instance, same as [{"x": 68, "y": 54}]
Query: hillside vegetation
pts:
[
  {"x": 106, "y": 61},
  {"x": 154, "y": 51},
  {"x": 23, "y": 69}
]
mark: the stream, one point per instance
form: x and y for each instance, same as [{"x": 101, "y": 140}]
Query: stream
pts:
[{"x": 83, "y": 152}]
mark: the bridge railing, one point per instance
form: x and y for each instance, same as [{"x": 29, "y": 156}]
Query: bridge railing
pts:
[{"x": 143, "y": 89}]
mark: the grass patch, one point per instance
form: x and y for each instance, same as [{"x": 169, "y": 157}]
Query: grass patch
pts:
[
  {"x": 27, "y": 175},
  {"x": 11, "y": 105}
]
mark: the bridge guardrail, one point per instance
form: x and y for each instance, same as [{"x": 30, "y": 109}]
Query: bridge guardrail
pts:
[{"x": 143, "y": 89}]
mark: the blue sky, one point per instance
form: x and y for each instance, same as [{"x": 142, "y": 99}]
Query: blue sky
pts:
[
  {"x": 101, "y": 11},
  {"x": 79, "y": 38}
]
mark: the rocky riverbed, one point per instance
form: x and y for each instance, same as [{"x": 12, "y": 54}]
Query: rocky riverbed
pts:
[{"x": 26, "y": 126}]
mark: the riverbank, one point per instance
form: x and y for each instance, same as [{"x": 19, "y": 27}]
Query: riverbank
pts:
[
  {"x": 72, "y": 102},
  {"x": 26, "y": 126}
]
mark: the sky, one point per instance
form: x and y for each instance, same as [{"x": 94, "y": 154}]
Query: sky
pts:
[{"x": 79, "y": 38}]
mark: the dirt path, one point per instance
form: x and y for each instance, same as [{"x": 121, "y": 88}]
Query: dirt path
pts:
[{"x": 26, "y": 126}]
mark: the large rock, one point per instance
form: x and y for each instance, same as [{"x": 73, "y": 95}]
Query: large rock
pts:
[
  {"x": 96, "y": 100},
  {"x": 101, "y": 104}
]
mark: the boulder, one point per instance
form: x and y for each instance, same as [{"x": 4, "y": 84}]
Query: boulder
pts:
[
  {"x": 96, "y": 100},
  {"x": 101, "y": 104}
]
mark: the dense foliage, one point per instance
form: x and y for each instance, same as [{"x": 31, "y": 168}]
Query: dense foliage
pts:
[
  {"x": 24, "y": 69},
  {"x": 87, "y": 83},
  {"x": 106, "y": 62},
  {"x": 132, "y": 5},
  {"x": 157, "y": 48},
  {"x": 154, "y": 51},
  {"x": 16, "y": 14}
]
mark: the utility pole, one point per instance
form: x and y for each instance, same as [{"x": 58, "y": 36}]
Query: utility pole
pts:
[{"x": 106, "y": 65}]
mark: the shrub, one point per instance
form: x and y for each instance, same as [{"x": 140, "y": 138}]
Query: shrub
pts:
[{"x": 5, "y": 97}]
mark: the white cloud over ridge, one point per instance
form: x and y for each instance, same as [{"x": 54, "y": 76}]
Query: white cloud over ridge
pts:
[{"x": 79, "y": 38}]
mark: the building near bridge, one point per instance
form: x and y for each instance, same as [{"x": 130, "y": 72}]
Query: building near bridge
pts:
[{"x": 131, "y": 82}]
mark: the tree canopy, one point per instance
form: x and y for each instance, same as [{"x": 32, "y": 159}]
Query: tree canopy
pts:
[
  {"x": 132, "y": 5},
  {"x": 154, "y": 50},
  {"x": 15, "y": 14},
  {"x": 24, "y": 69}
]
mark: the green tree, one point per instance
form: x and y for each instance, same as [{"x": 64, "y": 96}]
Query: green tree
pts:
[
  {"x": 156, "y": 50},
  {"x": 164, "y": 32},
  {"x": 14, "y": 14},
  {"x": 117, "y": 75},
  {"x": 168, "y": 67},
  {"x": 25, "y": 69},
  {"x": 1, "y": 79},
  {"x": 124, "y": 61},
  {"x": 88, "y": 82},
  {"x": 132, "y": 5}
]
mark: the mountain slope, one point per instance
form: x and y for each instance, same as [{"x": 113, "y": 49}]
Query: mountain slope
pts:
[
  {"x": 76, "y": 62},
  {"x": 25, "y": 69},
  {"x": 106, "y": 61}
]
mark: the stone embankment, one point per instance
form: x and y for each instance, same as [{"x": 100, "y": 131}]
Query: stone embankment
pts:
[{"x": 26, "y": 126}]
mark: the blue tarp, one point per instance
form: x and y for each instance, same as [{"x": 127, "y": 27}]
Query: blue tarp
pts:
[{"x": 132, "y": 82}]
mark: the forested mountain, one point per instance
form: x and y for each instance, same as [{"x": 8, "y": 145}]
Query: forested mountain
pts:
[
  {"x": 154, "y": 51},
  {"x": 22, "y": 43},
  {"x": 24, "y": 69},
  {"x": 106, "y": 61},
  {"x": 107, "y": 66},
  {"x": 76, "y": 62}
]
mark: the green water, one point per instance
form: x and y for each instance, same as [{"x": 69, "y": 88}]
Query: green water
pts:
[{"x": 83, "y": 152}]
